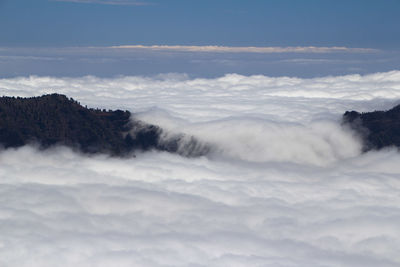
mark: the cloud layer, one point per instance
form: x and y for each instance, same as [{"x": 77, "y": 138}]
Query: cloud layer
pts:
[
  {"x": 286, "y": 185},
  {"x": 247, "y": 49},
  {"x": 197, "y": 100},
  {"x": 196, "y": 61}
]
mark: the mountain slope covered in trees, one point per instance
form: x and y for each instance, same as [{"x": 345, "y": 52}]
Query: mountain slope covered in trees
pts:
[
  {"x": 57, "y": 120},
  {"x": 378, "y": 129}
]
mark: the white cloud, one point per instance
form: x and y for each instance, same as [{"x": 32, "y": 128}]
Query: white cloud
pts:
[
  {"x": 257, "y": 140},
  {"x": 247, "y": 49},
  {"x": 285, "y": 186},
  {"x": 198, "y": 100},
  {"x": 106, "y": 2}
]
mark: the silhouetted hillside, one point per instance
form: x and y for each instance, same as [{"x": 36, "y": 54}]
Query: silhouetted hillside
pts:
[
  {"x": 378, "y": 129},
  {"x": 56, "y": 120}
]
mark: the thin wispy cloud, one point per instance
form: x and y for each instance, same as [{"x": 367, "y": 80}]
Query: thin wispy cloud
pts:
[
  {"x": 107, "y": 2},
  {"x": 248, "y": 49}
]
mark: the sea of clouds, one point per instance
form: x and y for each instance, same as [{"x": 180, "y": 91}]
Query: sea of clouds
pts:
[{"x": 285, "y": 184}]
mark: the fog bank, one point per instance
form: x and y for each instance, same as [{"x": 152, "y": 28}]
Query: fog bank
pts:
[{"x": 284, "y": 185}]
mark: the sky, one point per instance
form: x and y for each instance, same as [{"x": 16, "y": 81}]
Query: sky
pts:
[
  {"x": 84, "y": 37},
  {"x": 355, "y": 23}
]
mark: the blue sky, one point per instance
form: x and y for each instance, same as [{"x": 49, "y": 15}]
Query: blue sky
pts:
[
  {"x": 27, "y": 27},
  {"x": 353, "y": 23}
]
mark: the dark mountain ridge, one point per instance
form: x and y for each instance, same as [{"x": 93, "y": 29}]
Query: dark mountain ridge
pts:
[
  {"x": 378, "y": 129},
  {"x": 54, "y": 119}
]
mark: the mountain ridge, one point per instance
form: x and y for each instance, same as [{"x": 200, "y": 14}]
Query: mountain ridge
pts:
[
  {"x": 378, "y": 129},
  {"x": 55, "y": 119}
]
